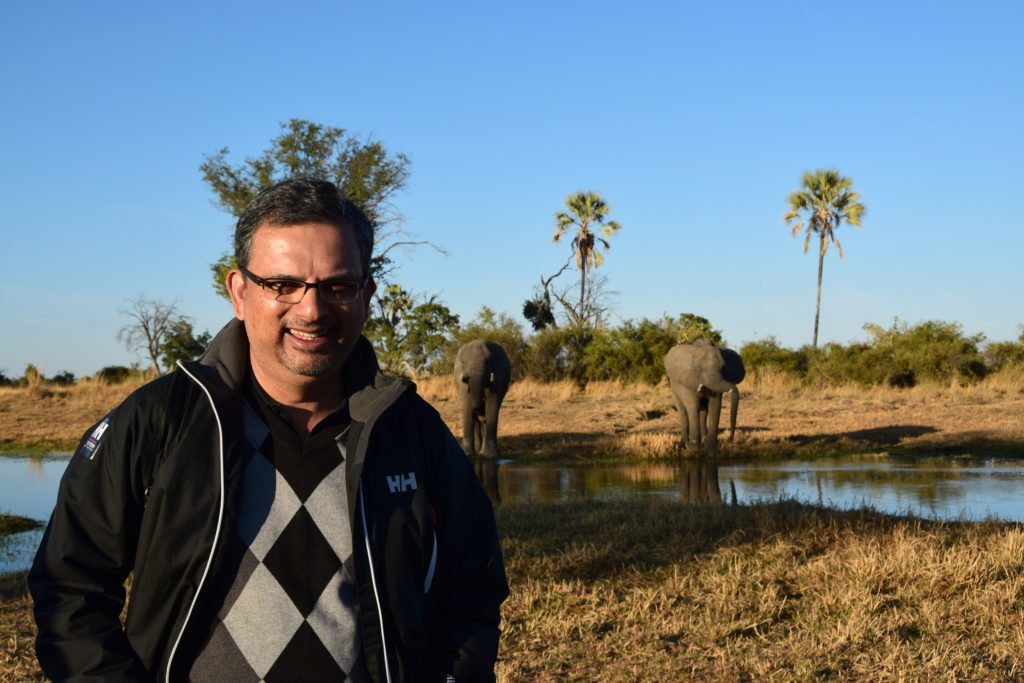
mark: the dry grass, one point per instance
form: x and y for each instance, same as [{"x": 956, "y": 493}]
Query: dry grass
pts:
[
  {"x": 778, "y": 417},
  {"x": 46, "y": 416},
  {"x": 647, "y": 590}
]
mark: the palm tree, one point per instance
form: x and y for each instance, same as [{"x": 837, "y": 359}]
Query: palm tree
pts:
[
  {"x": 824, "y": 200},
  {"x": 587, "y": 211}
]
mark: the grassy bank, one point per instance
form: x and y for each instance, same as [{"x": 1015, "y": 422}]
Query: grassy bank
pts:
[
  {"x": 777, "y": 417},
  {"x": 647, "y": 590}
]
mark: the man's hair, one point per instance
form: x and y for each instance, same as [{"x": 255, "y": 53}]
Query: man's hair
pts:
[{"x": 302, "y": 200}]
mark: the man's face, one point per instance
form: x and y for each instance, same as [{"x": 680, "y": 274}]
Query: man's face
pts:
[{"x": 296, "y": 345}]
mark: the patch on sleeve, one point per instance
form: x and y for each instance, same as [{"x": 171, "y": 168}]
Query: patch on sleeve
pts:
[{"x": 88, "y": 448}]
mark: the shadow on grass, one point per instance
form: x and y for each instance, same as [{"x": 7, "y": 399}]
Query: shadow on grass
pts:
[{"x": 590, "y": 540}]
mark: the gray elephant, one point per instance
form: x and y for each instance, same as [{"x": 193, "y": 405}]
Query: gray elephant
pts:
[
  {"x": 482, "y": 375},
  {"x": 698, "y": 374}
]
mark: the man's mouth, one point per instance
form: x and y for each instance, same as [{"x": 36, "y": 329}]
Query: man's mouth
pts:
[{"x": 308, "y": 335}]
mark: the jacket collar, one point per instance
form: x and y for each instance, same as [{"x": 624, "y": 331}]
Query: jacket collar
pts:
[{"x": 368, "y": 391}]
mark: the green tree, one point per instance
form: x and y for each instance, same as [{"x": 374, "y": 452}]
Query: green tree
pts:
[
  {"x": 362, "y": 168},
  {"x": 587, "y": 220},
  {"x": 824, "y": 200},
  {"x": 181, "y": 343},
  {"x": 408, "y": 336}
]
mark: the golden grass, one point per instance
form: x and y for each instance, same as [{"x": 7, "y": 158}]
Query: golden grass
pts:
[
  {"x": 778, "y": 416},
  {"x": 645, "y": 589},
  {"x": 49, "y": 416}
]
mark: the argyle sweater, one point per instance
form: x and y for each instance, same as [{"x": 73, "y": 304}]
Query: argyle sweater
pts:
[{"x": 289, "y": 609}]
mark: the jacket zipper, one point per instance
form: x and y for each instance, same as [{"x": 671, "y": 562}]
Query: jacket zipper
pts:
[
  {"x": 216, "y": 534},
  {"x": 373, "y": 582}
]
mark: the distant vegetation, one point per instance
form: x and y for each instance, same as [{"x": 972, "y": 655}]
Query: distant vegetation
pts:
[{"x": 901, "y": 355}]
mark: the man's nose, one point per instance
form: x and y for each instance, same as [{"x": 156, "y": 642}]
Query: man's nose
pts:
[{"x": 311, "y": 303}]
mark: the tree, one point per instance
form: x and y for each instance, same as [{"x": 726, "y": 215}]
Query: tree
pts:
[
  {"x": 181, "y": 343},
  {"x": 824, "y": 200},
  {"x": 362, "y": 168},
  {"x": 587, "y": 212},
  {"x": 408, "y": 336},
  {"x": 149, "y": 324}
]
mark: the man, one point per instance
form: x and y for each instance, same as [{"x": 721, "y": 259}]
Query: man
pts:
[{"x": 288, "y": 512}]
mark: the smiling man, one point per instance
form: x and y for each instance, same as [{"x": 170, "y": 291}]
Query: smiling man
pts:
[{"x": 289, "y": 513}]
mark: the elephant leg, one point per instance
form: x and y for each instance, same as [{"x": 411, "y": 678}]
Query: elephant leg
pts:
[
  {"x": 468, "y": 429},
  {"x": 478, "y": 433},
  {"x": 714, "y": 415},
  {"x": 681, "y": 410},
  {"x": 692, "y": 429},
  {"x": 491, "y": 408},
  {"x": 709, "y": 474}
]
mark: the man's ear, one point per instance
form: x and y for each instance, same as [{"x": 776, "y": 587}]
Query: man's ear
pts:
[
  {"x": 367, "y": 293},
  {"x": 235, "y": 283}
]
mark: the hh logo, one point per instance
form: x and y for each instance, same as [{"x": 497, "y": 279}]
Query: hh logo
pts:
[{"x": 402, "y": 482}]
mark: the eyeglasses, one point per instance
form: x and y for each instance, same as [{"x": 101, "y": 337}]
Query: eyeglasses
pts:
[{"x": 292, "y": 291}]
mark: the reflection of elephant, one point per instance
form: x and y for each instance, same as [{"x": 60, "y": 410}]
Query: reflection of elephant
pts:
[
  {"x": 487, "y": 472},
  {"x": 482, "y": 375},
  {"x": 698, "y": 481},
  {"x": 699, "y": 373}
]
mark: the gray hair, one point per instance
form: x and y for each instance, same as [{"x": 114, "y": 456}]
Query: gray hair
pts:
[{"x": 302, "y": 200}]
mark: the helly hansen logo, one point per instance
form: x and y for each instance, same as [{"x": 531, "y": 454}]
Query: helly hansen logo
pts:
[{"x": 402, "y": 482}]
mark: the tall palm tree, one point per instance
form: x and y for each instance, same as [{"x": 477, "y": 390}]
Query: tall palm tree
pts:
[
  {"x": 587, "y": 212},
  {"x": 824, "y": 200}
]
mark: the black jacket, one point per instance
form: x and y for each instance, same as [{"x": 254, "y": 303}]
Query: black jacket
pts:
[{"x": 153, "y": 489}]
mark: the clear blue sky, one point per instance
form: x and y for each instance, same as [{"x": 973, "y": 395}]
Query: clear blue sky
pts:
[{"x": 694, "y": 120}]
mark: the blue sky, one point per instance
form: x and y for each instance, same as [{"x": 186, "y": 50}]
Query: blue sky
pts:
[{"x": 695, "y": 121}]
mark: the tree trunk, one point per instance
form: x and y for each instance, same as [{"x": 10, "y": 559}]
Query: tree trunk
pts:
[
  {"x": 817, "y": 304},
  {"x": 583, "y": 288}
]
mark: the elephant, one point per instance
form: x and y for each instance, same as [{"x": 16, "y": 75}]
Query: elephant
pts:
[
  {"x": 698, "y": 374},
  {"x": 482, "y": 375}
]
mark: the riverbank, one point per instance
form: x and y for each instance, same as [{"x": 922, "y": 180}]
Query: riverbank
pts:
[
  {"x": 648, "y": 589},
  {"x": 777, "y": 418}
]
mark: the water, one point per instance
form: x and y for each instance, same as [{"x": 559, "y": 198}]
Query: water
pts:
[
  {"x": 938, "y": 488},
  {"x": 28, "y": 488}
]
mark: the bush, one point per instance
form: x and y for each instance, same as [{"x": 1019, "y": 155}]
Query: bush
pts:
[
  {"x": 932, "y": 350},
  {"x": 768, "y": 354},
  {"x": 1000, "y": 355},
  {"x": 64, "y": 378},
  {"x": 114, "y": 374}
]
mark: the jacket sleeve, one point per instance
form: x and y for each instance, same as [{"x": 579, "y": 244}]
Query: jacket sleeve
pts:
[
  {"x": 470, "y": 568},
  {"x": 87, "y": 551}
]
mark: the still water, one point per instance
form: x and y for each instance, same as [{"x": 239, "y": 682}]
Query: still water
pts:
[{"x": 935, "y": 487}]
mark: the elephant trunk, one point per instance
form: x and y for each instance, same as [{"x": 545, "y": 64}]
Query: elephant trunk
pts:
[{"x": 734, "y": 406}]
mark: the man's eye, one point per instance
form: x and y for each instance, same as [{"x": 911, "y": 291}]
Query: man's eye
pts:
[
  {"x": 284, "y": 286},
  {"x": 342, "y": 288}
]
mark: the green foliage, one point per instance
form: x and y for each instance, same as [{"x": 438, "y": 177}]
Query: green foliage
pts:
[
  {"x": 539, "y": 312},
  {"x": 768, "y": 354},
  {"x": 5, "y": 381},
  {"x": 547, "y": 357},
  {"x": 499, "y": 328},
  {"x": 688, "y": 328},
  {"x": 115, "y": 374},
  {"x": 63, "y": 378},
  {"x": 364, "y": 171},
  {"x": 932, "y": 350},
  {"x": 181, "y": 343},
  {"x": 408, "y": 336},
  {"x": 999, "y": 355}
]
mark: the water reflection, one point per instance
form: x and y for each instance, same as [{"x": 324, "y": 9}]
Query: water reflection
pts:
[{"x": 938, "y": 488}]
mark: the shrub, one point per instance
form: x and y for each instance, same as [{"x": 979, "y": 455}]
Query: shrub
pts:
[
  {"x": 64, "y": 378},
  {"x": 768, "y": 354},
  {"x": 114, "y": 374}
]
